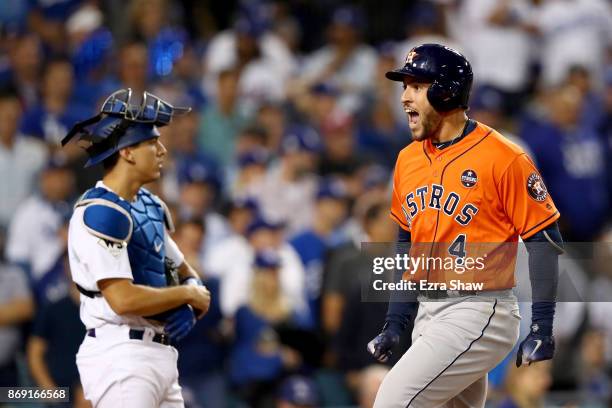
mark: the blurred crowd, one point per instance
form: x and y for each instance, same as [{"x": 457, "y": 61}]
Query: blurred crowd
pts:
[{"x": 282, "y": 170}]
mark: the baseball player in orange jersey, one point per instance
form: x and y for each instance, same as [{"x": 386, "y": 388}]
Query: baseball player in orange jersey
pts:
[{"x": 458, "y": 184}]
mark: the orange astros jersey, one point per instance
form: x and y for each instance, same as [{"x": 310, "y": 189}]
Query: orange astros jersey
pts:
[{"x": 482, "y": 189}]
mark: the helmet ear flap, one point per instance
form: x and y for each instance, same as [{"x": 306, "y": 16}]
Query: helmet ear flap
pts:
[{"x": 443, "y": 97}]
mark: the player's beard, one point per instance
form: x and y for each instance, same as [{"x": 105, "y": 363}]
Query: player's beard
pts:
[{"x": 429, "y": 124}]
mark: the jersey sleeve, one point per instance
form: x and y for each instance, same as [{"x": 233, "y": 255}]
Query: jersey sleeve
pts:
[
  {"x": 525, "y": 198},
  {"x": 397, "y": 212}
]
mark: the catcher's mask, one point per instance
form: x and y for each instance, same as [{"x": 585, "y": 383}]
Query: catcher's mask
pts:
[{"x": 123, "y": 121}]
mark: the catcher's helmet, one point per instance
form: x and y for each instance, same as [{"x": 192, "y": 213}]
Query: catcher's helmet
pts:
[
  {"x": 123, "y": 121},
  {"x": 448, "y": 71}
]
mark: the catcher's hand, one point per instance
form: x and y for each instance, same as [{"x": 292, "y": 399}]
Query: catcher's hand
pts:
[
  {"x": 535, "y": 347},
  {"x": 380, "y": 347}
]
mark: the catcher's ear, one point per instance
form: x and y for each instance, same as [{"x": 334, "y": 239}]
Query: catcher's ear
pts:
[{"x": 127, "y": 153}]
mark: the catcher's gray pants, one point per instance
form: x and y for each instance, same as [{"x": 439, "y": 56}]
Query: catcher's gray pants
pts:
[{"x": 454, "y": 344}]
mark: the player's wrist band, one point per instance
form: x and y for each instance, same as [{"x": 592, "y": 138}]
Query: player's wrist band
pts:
[{"x": 191, "y": 280}]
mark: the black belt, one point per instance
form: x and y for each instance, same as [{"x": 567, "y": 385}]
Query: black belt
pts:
[
  {"x": 160, "y": 338},
  {"x": 445, "y": 294}
]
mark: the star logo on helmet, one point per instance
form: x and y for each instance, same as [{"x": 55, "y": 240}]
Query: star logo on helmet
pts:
[{"x": 410, "y": 56}]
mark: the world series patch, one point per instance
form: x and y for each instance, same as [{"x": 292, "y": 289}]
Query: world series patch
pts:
[
  {"x": 469, "y": 178},
  {"x": 536, "y": 188}
]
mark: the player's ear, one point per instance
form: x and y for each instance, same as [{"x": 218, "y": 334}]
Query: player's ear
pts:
[{"x": 127, "y": 154}]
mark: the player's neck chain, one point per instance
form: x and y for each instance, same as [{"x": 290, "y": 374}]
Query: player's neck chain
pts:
[{"x": 463, "y": 133}]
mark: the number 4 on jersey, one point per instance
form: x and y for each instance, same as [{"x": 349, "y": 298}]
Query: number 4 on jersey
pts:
[{"x": 457, "y": 248}]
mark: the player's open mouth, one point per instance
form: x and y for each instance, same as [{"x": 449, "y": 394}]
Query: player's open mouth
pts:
[{"x": 413, "y": 116}]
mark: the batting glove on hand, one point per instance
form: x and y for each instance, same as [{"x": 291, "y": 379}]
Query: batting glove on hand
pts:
[
  {"x": 380, "y": 347},
  {"x": 180, "y": 323},
  {"x": 535, "y": 347}
]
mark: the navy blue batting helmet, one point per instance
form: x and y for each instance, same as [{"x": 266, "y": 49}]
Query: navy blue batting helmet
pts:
[
  {"x": 449, "y": 72},
  {"x": 123, "y": 121}
]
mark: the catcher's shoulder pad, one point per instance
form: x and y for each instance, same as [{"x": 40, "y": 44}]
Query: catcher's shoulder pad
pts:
[{"x": 107, "y": 218}]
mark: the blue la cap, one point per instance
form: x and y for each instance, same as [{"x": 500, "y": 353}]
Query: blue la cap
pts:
[
  {"x": 325, "y": 88},
  {"x": 247, "y": 203},
  {"x": 250, "y": 26},
  {"x": 261, "y": 223},
  {"x": 267, "y": 259},
  {"x": 57, "y": 162},
  {"x": 300, "y": 391},
  {"x": 486, "y": 98},
  {"x": 348, "y": 16},
  {"x": 331, "y": 188},
  {"x": 255, "y": 156},
  {"x": 301, "y": 138},
  {"x": 196, "y": 171},
  {"x": 123, "y": 121}
]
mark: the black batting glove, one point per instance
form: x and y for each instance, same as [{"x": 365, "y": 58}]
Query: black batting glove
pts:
[
  {"x": 535, "y": 347},
  {"x": 381, "y": 346}
]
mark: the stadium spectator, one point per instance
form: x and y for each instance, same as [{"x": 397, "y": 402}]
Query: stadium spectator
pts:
[
  {"x": 90, "y": 48},
  {"x": 25, "y": 64},
  {"x": 21, "y": 157},
  {"x": 252, "y": 167},
  {"x": 572, "y": 32},
  {"x": 595, "y": 384},
  {"x": 380, "y": 136},
  {"x": 345, "y": 60},
  {"x": 258, "y": 357},
  {"x": 500, "y": 47},
  {"x": 263, "y": 59},
  {"x": 232, "y": 262},
  {"x": 51, "y": 119},
  {"x": 572, "y": 162},
  {"x": 133, "y": 71},
  {"x": 339, "y": 151},
  {"x": 16, "y": 308},
  {"x": 240, "y": 214},
  {"x": 297, "y": 392},
  {"x": 47, "y": 20},
  {"x": 527, "y": 386},
  {"x": 346, "y": 265},
  {"x": 370, "y": 379},
  {"x": 55, "y": 340},
  {"x": 35, "y": 238},
  {"x": 189, "y": 235},
  {"x": 273, "y": 118},
  {"x": 199, "y": 185},
  {"x": 287, "y": 191},
  {"x": 187, "y": 158},
  {"x": 313, "y": 243},
  {"x": 203, "y": 351},
  {"x": 222, "y": 120}
]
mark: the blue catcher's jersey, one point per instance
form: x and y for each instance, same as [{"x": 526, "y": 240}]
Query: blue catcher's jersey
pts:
[{"x": 144, "y": 231}]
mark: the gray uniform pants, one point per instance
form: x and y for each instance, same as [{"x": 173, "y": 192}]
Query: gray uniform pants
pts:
[{"x": 454, "y": 344}]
